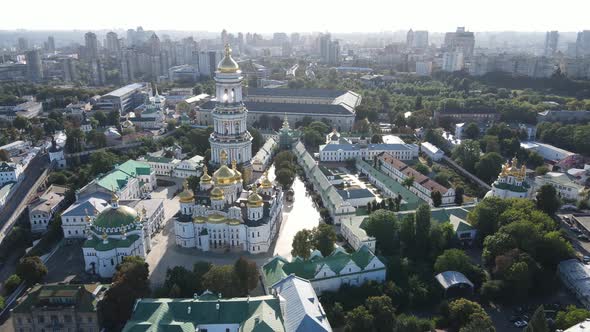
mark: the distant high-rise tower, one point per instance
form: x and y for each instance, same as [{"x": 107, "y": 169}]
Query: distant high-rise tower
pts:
[
  {"x": 112, "y": 43},
  {"x": 69, "y": 69},
  {"x": 23, "y": 44},
  {"x": 91, "y": 44},
  {"x": 551, "y": 42},
  {"x": 329, "y": 50},
  {"x": 583, "y": 43},
  {"x": 224, "y": 37},
  {"x": 460, "y": 41},
  {"x": 50, "y": 45},
  {"x": 410, "y": 39},
  {"x": 34, "y": 66}
]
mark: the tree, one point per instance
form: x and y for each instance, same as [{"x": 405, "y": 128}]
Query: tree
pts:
[
  {"x": 489, "y": 166},
  {"x": 101, "y": 118},
  {"x": 246, "y": 274},
  {"x": 467, "y": 154},
  {"x": 459, "y": 191},
  {"x": 547, "y": 199},
  {"x": 102, "y": 161},
  {"x": 571, "y": 316},
  {"x": 21, "y": 123},
  {"x": 74, "y": 140},
  {"x": 376, "y": 139},
  {"x": 257, "y": 140},
  {"x": 472, "y": 131},
  {"x": 359, "y": 319},
  {"x": 114, "y": 118},
  {"x": 479, "y": 323},
  {"x": 324, "y": 238},
  {"x": 381, "y": 308},
  {"x": 436, "y": 197},
  {"x": 302, "y": 244},
  {"x": 383, "y": 225},
  {"x": 463, "y": 311},
  {"x": 11, "y": 283},
  {"x": 422, "y": 225},
  {"x": 420, "y": 167},
  {"x": 130, "y": 283},
  {"x": 457, "y": 260},
  {"x": 408, "y": 182},
  {"x": 31, "y": 269},
  {"x": 221, "y": 279},
  {"x": 538, "y": 322}
]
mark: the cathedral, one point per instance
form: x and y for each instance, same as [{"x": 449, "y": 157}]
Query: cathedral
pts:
[
  {"x": 511, "y": 182},
  {"x": 222, "y": 215}
]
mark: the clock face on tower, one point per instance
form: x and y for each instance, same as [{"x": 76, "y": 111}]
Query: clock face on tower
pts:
[{"x": 230, "y": 116}]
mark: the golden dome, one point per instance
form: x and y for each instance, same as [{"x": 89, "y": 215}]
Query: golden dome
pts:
[
  {"x": 187, "y": 195},
  {"x": 228, "y": 64},
  {"x": 254, "y": 200},
  {"x": 217, "y": 194},
  {"x": 224, "y": 175},
  {"x": 206, "y": 178},
  {"x": 266, "y": 183}
]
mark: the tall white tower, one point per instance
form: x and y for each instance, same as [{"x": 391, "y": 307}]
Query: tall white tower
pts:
[{"x": 230, "y": 133}]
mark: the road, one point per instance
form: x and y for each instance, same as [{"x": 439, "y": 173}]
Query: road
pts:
[{"x": 33, "y": 176}]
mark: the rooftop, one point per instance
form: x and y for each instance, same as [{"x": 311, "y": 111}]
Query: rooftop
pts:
[
  {"x": 263, "y": 107},
  {"x": 309, "y": 93},
  {"x": 83, "y": 296},
  {"x": 120, "y": 92}
]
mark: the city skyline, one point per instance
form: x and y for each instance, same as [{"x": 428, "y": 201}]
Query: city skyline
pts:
[{"x": 307, "y": 16}]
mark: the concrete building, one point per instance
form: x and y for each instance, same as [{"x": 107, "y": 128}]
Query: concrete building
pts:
[
  {"x": 337, "y": 207},
  {"x": 357, "y": 197},
  {"x": 344, "y": 152},
  {"x": 263, "y": 157},
  {"x": 207, "y": 62},
  {"x": 576, "y": 277},
  {"x": 353, "y": 232},
  {"x": 43, "y": 208},
  {"x": 10, "y": 172},
  {"x": 124, "y": 99},
  {"x": 422, "y": 185},
  {"x": 547, "y": 151},
  {"x": 460, "y": 41},
  {"x": 130, "y": 180},
  {"x": 91, "y": 44},
  {"x": 333, "y": 105},
  {"x": 34, "y": 65},
  {"x": 424, "y": 68},
  {"x": 566, "y": 188},
  {"x": 51, "y": 307},
  {"x": 452, "y": 61},
  {"x": 432, "y": 151},
  {"x": 551, "y": 43},
  {"x": 293, "y": 306},
  {"x": 563, "y": 116},
  {"x": 328, "y": 273}
]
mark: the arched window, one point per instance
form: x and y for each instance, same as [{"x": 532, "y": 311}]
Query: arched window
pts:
[
  {"x": 233, "y": 95},
  {"x": 225, "y": 96}
]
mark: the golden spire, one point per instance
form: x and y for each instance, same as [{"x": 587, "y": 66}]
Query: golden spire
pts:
[{"x": 87, "y": 218}]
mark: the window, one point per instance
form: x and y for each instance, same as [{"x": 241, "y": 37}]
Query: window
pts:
[{"x": 40, "y": 319}]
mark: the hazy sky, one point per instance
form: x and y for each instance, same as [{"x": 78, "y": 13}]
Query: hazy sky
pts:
[{"x": 297, "y": 15}]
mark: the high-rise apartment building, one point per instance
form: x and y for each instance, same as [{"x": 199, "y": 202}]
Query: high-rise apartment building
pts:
[
  {"x": 551, "y": 42},
  {"x": 208, "y": 61},
  {"x": 50, "y": 45},
  {"x": 91, "y": 44},
  {"x": 112, "y": 43},
  {"x": 34, "y": 66},
  {"x": 329, "y": 50},
  {"x": 460, "y": 41},
  {"x": 23, "y": 44},
  {"x": 69, "y": 69},
  {"x": 583, "y": 43}
]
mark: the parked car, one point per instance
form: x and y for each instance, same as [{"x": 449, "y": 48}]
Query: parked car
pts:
[
  {"x": 521, "y": 324},
  {"x": 586, "y": 259},
  {"x": 583, "y": 237}
]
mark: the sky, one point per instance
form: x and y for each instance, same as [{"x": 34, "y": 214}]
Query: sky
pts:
[{"x": 265, "y": 16}]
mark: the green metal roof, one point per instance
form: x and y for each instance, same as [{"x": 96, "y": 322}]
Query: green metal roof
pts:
[
  {"x": 116, "y": 180},
  {"x": 135, "y": 167},
  {"x": 112, "y": 243},
  {"x": 256, "y": 314},
  {"x": 279, "y": 267}
]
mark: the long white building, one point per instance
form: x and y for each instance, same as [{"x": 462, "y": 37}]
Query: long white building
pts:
[{"x": 344, "y": 152}]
